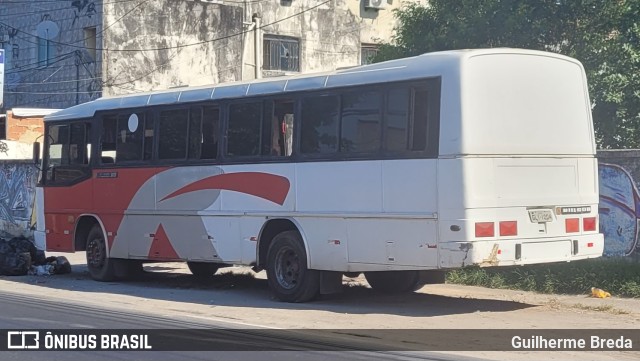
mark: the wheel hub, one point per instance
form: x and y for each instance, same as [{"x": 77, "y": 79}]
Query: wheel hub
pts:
[
  {"x": 287, "y": 268},
  {"x": 95, "y": 254}
]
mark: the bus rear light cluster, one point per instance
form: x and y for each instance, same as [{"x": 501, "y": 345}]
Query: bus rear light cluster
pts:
[
  {"x": 572, "y": 225},
  {"x": 509, "y": 228},
  {"x": 589, "y": 224},
  {"x": 487, "y": 229}
]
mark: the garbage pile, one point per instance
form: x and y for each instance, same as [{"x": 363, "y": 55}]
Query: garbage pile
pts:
[{"x": 19, "y": 256}]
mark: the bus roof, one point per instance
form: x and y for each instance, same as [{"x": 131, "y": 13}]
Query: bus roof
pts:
[{"x": 422, "y": 66}]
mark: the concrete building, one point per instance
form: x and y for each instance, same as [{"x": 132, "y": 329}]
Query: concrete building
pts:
[{"x": 62, "y": 53}]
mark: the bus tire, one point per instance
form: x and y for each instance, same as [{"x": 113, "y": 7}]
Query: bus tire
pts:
[
  {"x": 287, "y": 272},
  {"x": 393, "y": 281},
  {"x": 101, "y": 267},
  {"x": 203, "y": 270}
]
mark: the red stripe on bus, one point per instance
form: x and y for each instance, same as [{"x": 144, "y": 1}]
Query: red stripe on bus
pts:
[{"x": 271, "y": 187}]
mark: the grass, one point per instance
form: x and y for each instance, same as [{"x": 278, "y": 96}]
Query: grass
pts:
[{"x": 620, "y": 277}]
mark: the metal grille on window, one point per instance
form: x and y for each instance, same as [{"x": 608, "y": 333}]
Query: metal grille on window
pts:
[
  {"x": 367, "y": 54},
  {"x": 281, "y": 53}
]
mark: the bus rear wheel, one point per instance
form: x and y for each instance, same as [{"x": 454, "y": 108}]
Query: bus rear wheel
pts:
[
  {"x": 287, "y": 272},
  {"x": 203, "y": 270},
  {"x": 101, "y": 267},
  {"x": 393, "y": 281}
]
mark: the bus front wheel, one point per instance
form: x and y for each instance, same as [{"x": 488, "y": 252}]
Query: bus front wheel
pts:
[
  {"x": 202, "y": 270},
  {"x": 287, "y": 272},
  {"x": 101, "y": 267},
  {"x": 393, "y": 281}
]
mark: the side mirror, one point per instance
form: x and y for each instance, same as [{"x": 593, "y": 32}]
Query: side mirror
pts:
[{"x": 36, "y": 153}]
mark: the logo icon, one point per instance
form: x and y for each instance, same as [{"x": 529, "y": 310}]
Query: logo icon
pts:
[{"x": 23, "y": 340}]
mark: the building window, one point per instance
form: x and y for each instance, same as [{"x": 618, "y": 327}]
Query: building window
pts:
[
  {"x": 367, "y": 53},
  {"x": 90, "y": 41},
  {"x": 281, "y": 53},
  {"x": 46, "y": 52},
  {"x": 46, "y": 31}
]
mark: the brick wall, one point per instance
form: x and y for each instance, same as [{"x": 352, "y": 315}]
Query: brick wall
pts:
[{"x": 24, "y": 129}]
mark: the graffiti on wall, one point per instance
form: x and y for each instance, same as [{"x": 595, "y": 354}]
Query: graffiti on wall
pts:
[
  {"x": 17, "y": 199},
  {"x": 619, "y": 210}
]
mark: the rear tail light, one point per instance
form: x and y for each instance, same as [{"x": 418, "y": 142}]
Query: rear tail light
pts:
[
  {"x": 485, "y": 229},
  {"x": 572, "y": 225},
  {"x": 589, "y": 224},
  {"x": 509, "y": 228}
]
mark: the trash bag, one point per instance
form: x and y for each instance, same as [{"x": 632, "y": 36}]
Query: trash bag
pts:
[
  {"x": 16, "y": 256},
  {"x": 61, "y": 265}
]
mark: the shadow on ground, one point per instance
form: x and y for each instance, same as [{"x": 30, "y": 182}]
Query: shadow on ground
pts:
[{"x": 164, "y": 282}]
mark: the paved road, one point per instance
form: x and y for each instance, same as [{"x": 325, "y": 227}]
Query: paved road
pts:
[{"x": 26, "y": 312}]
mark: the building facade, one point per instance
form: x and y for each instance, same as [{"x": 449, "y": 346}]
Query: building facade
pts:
[{"x": 61, "y": 53}]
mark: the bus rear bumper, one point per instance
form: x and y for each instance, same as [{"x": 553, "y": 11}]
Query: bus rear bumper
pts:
[{"x": 520, "y": 251}]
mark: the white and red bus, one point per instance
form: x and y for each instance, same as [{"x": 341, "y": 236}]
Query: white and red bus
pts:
[{"x": 398, "y": 169}]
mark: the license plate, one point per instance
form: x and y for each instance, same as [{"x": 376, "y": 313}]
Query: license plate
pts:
[{"x": 540, "y": 215}]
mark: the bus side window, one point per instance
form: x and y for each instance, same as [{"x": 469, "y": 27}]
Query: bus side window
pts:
[
  {"x": 129, "y": 138},
  {"x": 277, "y": 128},
  {"x": 203, "y": 133},
  {"x": 108, "y": 139},
  {"x": 243, "y": 134},
  {"x": 173, "y": 134},
  {"x": 420, "y": 120},
  {"x": 79, "y": 145},
  {"x": 360, "y": 121},
  {"x": 397, "y": 120},
  {"x": 319, "y": 125},
  {"x": 149, "y": 122}
]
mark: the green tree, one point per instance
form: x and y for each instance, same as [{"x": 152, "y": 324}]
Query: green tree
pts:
[{"x": 604, "y": 35}]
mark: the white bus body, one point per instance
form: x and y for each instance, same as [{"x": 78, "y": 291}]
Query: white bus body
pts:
[{"x": 513, "y": 180}]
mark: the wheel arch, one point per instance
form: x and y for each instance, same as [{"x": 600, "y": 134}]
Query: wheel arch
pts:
[
  {"x": 84, "y": 224},
  {"x": 269, "y": 230}
]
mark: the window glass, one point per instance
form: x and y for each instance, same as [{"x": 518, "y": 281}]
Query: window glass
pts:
[
  {"x": 67, "y": 153},
  {"x": 195, "y": 133},
  {"x": 149, "y": 122},
  {"x": 173, "y": 134},
  {"x": 420, "y": 119},
  {"x": 79, "y": 148},
  {"x": 319, "y": 126},
  {"x": 58, "y": 141},
  {"x": 210, "y": 129},
  {"x": 129, "y": 138},
  {"x": 280, "y": 129},
  {"x": 108, "y": 139},
  {"x": 243, "y": 135},
  {"x": 397, "y": 120},
  {"x": 360, "y": 121}
]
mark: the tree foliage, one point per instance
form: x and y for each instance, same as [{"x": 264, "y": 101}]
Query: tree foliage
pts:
[{"x": 603, "y": 34}]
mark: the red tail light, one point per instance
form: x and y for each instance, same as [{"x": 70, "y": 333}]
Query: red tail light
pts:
[
  {"x": 509, "y": 228},
  {"x": 572, "y": 225},
  {"x": 589, "y": 224},
  {"x": 485, "y": 229}
]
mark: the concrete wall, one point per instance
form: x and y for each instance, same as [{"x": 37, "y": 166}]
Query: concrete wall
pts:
[
  {"x": 72, "y": 75},
  {"x": 195, "y": 43},
  {"x": 17, "y": 198},
  {"x": 167, "y": 43}
]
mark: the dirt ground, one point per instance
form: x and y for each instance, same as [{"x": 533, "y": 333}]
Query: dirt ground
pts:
[{"x": 241, "y": 297}]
